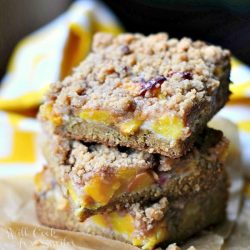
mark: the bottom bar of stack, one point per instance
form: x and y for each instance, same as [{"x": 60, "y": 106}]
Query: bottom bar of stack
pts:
[{"x": 148, "y": 225}]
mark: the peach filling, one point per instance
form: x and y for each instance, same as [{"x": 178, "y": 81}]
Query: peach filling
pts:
[
  {"x": 40, "y": 182},
  {"x": 98, "y": 116},
  {"x": 127, "y": 127},
  {"x": 157, "y": 235},
  {"x": 131, "y": 126},
  {"x": 46, "y": 111},
  {"x": 100, "y": 190},
  {"x": 169, "y": 127},
  {"x": 124, "y": 225},
  {"x": 72, "y": 193}
]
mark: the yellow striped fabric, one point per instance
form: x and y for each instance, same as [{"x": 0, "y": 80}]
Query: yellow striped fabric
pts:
[
  {"x": 45, "y": 56},
  {"x": 50, "y": 53}
]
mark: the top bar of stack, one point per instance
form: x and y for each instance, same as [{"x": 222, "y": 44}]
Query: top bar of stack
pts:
[{"x": 149, "y": 93}]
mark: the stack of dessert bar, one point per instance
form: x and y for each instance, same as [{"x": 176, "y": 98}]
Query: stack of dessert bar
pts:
[{"x": 129, "y": 155}]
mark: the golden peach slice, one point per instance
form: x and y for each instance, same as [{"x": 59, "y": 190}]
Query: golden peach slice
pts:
[
  {"x": 141, "y": 181},
  {"x": 97, "y": 115},
  {"x": 47, "y": 112},
  {"x": 169, "y": 127},
  {"x": 130, "y": 127},
  {"x": 155, "y": 236},
  {"x": 126, "y": 173},
  {"x": 100, "y": 220},
  {"x": 72, "y": 193},
  {"x": 121, "y": 223},
  {"x": 102, "y": 191}
]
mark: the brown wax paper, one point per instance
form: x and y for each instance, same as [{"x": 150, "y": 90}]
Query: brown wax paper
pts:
[
  {"x": 240, "y": 237},
  {"x": 20, "y": 229}
]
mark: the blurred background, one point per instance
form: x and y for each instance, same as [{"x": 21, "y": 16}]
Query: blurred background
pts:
[{"x": 223, "y": 22}]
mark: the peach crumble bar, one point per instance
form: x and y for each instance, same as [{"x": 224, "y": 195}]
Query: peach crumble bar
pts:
[
  {"x": 97, "y": 178},
  {"x": 145, "y": 226},
  {"x": 151, "y": 93}
]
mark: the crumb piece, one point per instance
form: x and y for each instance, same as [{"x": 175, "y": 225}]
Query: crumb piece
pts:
[
  {"x": 93, "y": 157},
  {"x": 173, "y": 247},
  {"x": 151, "y": 215},
  {"x": 192, "y": 248}
]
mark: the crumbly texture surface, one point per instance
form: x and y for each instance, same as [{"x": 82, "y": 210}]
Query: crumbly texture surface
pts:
[
  {"x": 97, "y": 157},
  {"x": 136, "y": 77},
  {"x": 80, "y": 163},
  {"x": 92, "y": 157},
  {"x": 181, "y": 217}
]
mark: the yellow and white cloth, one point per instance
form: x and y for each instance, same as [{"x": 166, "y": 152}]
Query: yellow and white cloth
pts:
[{"x": 48, "y": 55}]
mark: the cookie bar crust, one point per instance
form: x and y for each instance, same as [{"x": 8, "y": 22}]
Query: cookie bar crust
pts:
[
  {"x": 145, "y": 226},
  {"x": 99, "y": 178},
  {"x": 150, "y": 93}
]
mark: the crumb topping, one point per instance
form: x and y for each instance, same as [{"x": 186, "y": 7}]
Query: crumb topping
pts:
[
  {"x": 133, "y": 74},
  {"x": 97, "y": 156},
  {"x": 145, "y": 218},
  {"x": 81, "y": 158}
]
